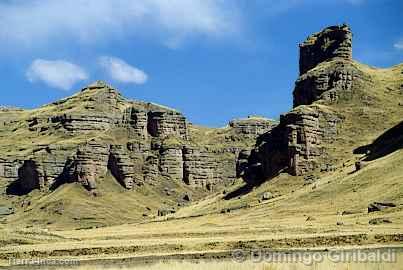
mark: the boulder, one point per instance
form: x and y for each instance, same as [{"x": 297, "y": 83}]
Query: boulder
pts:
[
  {"x": 378, "y": 221},
  {"x": 379, "y": 206},
  {"x": 166, "y": 211},
  {"x": 5, "y": 211},
  {"x": 267, "y": 196}
]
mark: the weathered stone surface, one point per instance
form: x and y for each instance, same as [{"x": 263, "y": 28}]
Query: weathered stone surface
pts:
[
  {"x": 295, "y": 145},
  {"x": 378, "y": 221},
  {"x": 331, "y": 42},
  {"x": 299, "y": 143},
  {"x": 155, "y": 144},
  {"x": 252, "y": 126},
  {"x": 89, "y": 163},
  {"x": 171, "y": 163},
  {"x": 267, "y": 196},
  {"x": 41, "y": 170},
  {"x": 151, "y": 168},
  {"x": 202, "y": 169},
  {"x": 166, "y": 211},
  {"x": 136, "y": 120},
  {"x": 79, "y": 123},
  {"x": 9, "y": 168},
  {"x": 5, "y": 211},
  {"x": 331, "y": 82},
  {"x": 199, "y": 168},
  {"x": 165, "y": 123},
  {"x": 121, "y": 166},
  {"x": 242, "y": 162},
  {"x": 327, "y": 71},
  {"x": 379, "y": 206}
]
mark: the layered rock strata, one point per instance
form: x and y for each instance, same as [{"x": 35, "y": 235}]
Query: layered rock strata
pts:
[
  {"x": 299, "y": 144},
  {"x": 331, "y": 42}
]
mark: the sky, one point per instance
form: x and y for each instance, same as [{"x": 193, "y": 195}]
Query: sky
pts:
[{"x": 213, "y": 60}]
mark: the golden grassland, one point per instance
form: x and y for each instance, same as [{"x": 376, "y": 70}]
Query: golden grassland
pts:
[
  {"x": 280, "y": 223},
  {"x": 249, "y": 265},
  {"x": 329, "y": 213}
]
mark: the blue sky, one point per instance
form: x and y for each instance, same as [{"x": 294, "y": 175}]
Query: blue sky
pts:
[{"x": 214, "y": 60}]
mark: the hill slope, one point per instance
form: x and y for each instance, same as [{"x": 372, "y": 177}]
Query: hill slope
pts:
[{"x": 98, "y": 174}]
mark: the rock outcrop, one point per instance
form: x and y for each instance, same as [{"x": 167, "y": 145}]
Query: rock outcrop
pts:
[
  {"x": 81, "y": 138},
  {"x": 122, "y": 166},
  {"x": 171, "y": 163},
  {"x": 89, "y": 164},
  {"x": 296, "y": 145},
  {"x": 331, "y": 42},
  {"x": 252, "y": 126},
  {"x": 205, "y": 169},
  {"x": 331, "y": 82},
  {"x": 167, "y": 123},
  {"x": 98, "y": 130},
  {"x": 300, "y": 143}
]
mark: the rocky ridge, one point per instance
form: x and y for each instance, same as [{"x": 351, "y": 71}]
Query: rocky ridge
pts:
[
  {"x": 81, "y": 138},
  {"x": 329, "y": 83},
  {"x": 153, "y": 153}
]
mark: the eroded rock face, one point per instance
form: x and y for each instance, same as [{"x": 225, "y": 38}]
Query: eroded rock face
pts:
[
  {"x": 332, "y": 82},
  {"x": 327, "y": 71},
  {"x": 331, "y": 42},
  {"x": 167, "y": 123},
  {"x": 89, "y": 164},
  {"x": 121, "y": 166},
  {"x": 151, "y": 168},
  {"x": 298, "y": 144},
  {"x": 136, "y": 120},
  {"x": 295, "y": 146},
  {"x": 171, "y": 163},
  {"x": 9, "y": 169},
  {"x": 252, "y": 126},
  {"x": 205, "y": 169}
]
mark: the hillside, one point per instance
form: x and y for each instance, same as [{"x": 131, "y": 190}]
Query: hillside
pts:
[
  {"x": 86, "y": 160},
  {"x": 97, "y": 174}
]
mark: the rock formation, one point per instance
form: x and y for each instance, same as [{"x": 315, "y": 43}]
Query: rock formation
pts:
[
  {"x": 81, "y": 138},
  {"x": 301, "y": 143},
  {"x": 252, "y": 126},
  {"x": 331, "y": 42}
]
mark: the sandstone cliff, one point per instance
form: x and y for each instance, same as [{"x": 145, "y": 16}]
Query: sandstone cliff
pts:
[
  {"x": 338, "y": 103},
  {"x": 81, "y": 138},
  {"x": 142, "y": 159}
]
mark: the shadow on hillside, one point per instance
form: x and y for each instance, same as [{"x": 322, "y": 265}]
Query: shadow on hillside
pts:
[
  {"x": 247, "y": 187},
  {"x": 239, "y": 192},
  {"x": 387, "y": 143},
  {"x": 272, "y": 151}
]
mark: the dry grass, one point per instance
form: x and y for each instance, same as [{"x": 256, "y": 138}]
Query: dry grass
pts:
[
  {"x": 326, "y": 264},
  {"x": 278, "y": 223}
]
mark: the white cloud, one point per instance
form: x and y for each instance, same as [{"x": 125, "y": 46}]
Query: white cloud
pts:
[
  {"x": 399, "y": 44},
  {"x": 58, "y": 74},
  {"x": 37, "y": 21},
  {"x": 121, "y": 71}
]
